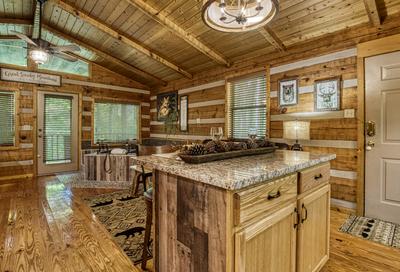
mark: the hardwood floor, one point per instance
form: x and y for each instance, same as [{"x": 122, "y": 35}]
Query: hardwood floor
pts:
[{"x": 44, "y": 226}]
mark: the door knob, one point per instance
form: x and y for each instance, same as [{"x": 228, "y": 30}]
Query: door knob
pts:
[{"x": 370, "y": 145}]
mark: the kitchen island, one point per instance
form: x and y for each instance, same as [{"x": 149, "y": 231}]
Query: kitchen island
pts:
[{"x": 259, "y": 213}]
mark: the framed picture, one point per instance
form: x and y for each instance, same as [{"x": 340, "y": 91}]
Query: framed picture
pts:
[
  {"x": 288, "y": 93},
  {"x": 327, "y": 94},
  {"x": 167, "y": 106},
  {"x": 183, "y": 113}
]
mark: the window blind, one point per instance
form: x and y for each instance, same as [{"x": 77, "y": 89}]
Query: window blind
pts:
[
  {"x": 57, "y": 131},
  {"x": 7, "y": 119},
  {"x": 247, "y": 104},
  {"x": 116, "y": 123}
]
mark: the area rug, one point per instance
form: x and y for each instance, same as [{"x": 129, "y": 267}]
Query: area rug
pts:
[
  {"x": 76, "y": 180},
  {"x": 375, "y": 230},
  {"x": 125, "y": 218}
]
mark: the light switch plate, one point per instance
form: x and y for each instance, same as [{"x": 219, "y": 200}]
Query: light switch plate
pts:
[{"x": 349, "y": 113}]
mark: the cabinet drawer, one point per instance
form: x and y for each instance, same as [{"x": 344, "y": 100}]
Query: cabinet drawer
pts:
[
  {"x": 313, "y": 177},
  {"x": 256, "y": 201}
]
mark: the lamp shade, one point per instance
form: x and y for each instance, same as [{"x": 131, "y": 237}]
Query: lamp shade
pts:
[{"x": 296, "y": 130}]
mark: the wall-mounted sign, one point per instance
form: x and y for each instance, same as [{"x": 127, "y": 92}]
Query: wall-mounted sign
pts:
[{"x": 30, "y": 77}]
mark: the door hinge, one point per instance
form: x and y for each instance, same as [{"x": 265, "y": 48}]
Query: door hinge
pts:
[{"x": 296, "y": 218}]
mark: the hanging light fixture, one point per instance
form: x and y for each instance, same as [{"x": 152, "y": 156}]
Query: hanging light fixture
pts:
[
  {"x": 238, "y": 15},
  {"x": 39, "y": 56}
]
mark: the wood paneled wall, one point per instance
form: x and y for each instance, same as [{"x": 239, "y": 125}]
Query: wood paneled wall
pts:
[
  {"x": 18, "y": 163},
  {"x": 206, "y": 109},
  {"x": 330, "y": 132}
]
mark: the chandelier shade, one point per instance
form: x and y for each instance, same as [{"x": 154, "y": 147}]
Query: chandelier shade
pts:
[{"x": 238, "y": 15}]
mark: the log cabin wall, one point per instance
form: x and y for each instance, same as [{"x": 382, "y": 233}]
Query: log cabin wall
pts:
[
  {"x": 330, "y": 131},
  {"x": 18, "y": 164},
  {"x": 206, "y": 109}
]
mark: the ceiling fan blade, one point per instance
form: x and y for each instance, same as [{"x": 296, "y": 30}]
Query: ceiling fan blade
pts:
[
  {"x": 70, "y": 48},
  {"x": 23, "y": 37},
  {"x": 65, "y": 57}
]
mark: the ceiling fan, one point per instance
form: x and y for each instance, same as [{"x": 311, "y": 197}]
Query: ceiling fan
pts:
[{"x": 39, "y": 49}]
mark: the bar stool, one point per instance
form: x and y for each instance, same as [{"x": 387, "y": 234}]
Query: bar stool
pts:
[
  {"x": 148, "y": 196},
  {"x": 142, "y": 175}
]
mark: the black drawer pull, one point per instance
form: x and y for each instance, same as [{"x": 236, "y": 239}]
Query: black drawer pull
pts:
[
  {"x": 303, "y": 208},
  {"x": 274, "y": 195},
  {"x": 317, "y": 177}
]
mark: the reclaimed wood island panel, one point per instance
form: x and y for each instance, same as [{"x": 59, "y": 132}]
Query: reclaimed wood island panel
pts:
[{"x": 260, "y": 213}]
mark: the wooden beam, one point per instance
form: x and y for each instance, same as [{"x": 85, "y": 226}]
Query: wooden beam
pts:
[
  {"x": 12, "y": 21},
  {"x": 107, "y": 56},
  {"x": 373, "y": 12},
  {"x": 123, "y": 38},
  {"x": 162, "y": 19},
  {"x": 36, "y": 21},
  {"x": 272, "y": 38}
]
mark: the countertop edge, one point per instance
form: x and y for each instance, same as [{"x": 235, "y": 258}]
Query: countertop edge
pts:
[{"x": 233, "y": 184}]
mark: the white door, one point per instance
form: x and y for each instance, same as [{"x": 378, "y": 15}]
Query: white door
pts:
[
  {"x": 57, "y": 135},
  {"x": 382, "y": 166}
]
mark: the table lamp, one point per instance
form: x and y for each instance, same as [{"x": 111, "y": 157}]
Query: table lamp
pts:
[{"x": 296, "y": 130}]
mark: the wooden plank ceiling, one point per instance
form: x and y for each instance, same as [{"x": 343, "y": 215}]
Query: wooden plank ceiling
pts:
[{"x": 157, "y": 41}]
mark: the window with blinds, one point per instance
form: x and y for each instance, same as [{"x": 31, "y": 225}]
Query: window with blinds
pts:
[
  {"x": 115, "y": 122},
  {"x": 247, "y": 106},
  {"x": 7, "y": 119},
  {"x": 57, "y": 130}
]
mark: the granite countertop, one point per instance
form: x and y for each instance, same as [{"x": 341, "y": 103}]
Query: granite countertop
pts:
[{"x": 238, "y": 173}]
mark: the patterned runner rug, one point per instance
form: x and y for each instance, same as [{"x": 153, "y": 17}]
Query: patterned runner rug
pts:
[
  {"x": 125, "y": 218},
  {"x": 375, "y": 230}
]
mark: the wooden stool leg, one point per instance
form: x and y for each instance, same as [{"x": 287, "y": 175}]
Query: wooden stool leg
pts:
[
  {"x": 147, "y": 232},
  {"x": 135, "y": 185}
]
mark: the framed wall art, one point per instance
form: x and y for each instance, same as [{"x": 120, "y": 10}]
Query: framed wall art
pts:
[
  {"x": 327, "y": 94},
  {"x": 183, "y": 113},
  {"x": 288, "y": 92},
  {"x": 167, "y": 106}
]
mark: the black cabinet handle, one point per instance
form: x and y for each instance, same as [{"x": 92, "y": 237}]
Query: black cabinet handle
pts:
[
  {"x": 274, "y": 195},
  {"x": 317, "y": 177},
  {"x": 306, "y": 215}
]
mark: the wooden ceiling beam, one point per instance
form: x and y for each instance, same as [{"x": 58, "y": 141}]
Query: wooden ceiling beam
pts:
[
  {"x": 162, "y": 18},
  {"x": 123, "y": 38},
  {"x": 373, "y": 12},
  {"x": 104, "y": 55},
  {"x": 12, "y": 21},
  {"x": 36, "y": 21},
  {"x": 272, "y": 38}
]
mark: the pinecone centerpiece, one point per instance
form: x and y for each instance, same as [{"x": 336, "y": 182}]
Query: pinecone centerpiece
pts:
[{"x": 196, "y": 150}]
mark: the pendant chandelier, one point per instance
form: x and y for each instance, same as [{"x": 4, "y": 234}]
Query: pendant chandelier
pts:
[{"x": 238, "y": 15}]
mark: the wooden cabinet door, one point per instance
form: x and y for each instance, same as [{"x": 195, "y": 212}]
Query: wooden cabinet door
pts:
[
  {"x": 313, "y": 231},
  {"x": 268, "y": 245}
]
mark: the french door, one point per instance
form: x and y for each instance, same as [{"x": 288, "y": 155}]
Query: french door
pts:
[{"x": 57, "y": 132}]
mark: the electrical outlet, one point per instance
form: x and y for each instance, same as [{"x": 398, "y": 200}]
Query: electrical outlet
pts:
[{"x": 349, "y": 113}]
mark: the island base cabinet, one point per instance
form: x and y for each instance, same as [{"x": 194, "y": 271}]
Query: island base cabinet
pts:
[
  {"x": 313, "y": 230},
  {"x": 268, "y": 245}
]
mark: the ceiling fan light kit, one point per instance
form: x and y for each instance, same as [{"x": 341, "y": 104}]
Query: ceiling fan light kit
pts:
[
  {"x": 39, "y": 56},
  {"x": 238, "y": 15}
]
